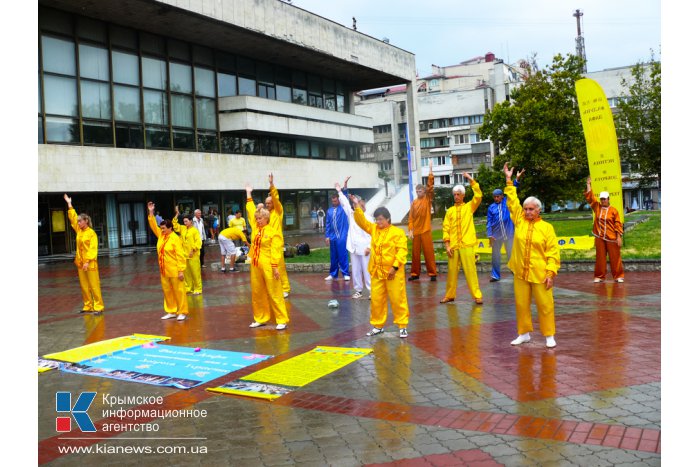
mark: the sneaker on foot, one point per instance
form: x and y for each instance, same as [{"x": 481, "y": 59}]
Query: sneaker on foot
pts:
[
  {"x": 447, "y": 300},
  {"x": 597, "y": 279},
  {"x": 168, "y": 316},
  {"x": 619, "y": 279},
  {"x": 479, "y": 301},
  {"x": 433, "y": 278},
  {"x": 550, "y": 342},
  {"x": 521, "y": 339},
  {"x": 375, "y": 331},
  {"x": 493, "y": 279},
  {"x": 346, "y": 278},
  {"x": 255, "y": 324},
  {"x": 97, "y": 313},
  {"x": 403, "y": 332},
  {"x": 223, "y": 270},
  {"x": 280, "y": 327},
  {"x": 357, "y": 295},
  {"x": 181, "y": 317},
  {"x": 414, "y": 278},
  {"x": 285, "y": 294},
  {"x": 329, "y": 278}
]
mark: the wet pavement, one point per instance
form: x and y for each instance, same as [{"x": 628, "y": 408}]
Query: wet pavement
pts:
[{"x": 453, "y": 393}]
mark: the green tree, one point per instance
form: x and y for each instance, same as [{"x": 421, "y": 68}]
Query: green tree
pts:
[
  {"x": 639, "y": 121},
  {"x": 540, "y": 130}
]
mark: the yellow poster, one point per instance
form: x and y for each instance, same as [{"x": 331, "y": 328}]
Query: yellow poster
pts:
[
  {"x": 96, "y": 349},
  {"x": 601, "y": 142},
  {"x": 58, "y": 221},
  {"x": 281, "y": 378},
  {"x": 584, "y": 242}
]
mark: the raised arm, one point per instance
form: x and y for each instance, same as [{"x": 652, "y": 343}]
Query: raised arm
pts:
[
  {"x": 344, "y": 202},
  {"x": 511, "y": 192},
  {"x": 360, "y": 218},
  {"x": 152, "y": 219},
  {"x": 72, "y": 215},
  {"x": 476, "y": 199},
  {"x": 176, "y": 225},
  {"x": 275, "y": 195},
  {"x": 430, "y": 187},
  {"x": 591, "y": 198}
]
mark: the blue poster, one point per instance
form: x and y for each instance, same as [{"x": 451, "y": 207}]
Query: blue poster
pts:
[{"x": 165, "y": 365}]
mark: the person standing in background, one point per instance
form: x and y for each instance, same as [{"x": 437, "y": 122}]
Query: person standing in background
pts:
[{"x": 86, "y": 259}]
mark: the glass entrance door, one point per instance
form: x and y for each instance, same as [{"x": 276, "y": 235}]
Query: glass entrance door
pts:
[{"x": 132, "y": 224}]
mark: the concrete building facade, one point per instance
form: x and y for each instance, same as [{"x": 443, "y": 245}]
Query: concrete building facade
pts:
[{"x": 186, "y": 102}]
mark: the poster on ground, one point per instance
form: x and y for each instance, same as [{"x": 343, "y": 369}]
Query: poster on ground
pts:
[
  {"x": 165, "y": 365},
  {"x": 281, "y": 378}
]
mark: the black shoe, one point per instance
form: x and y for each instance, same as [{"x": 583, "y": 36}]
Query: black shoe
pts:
[
  {"x": 493, "y": 279},
  {"x": 414, "y": 278},
  {"x": 433, "y": 278},
  {"x": 224, "y": 271},
  {"x": 234, "y": 270}
]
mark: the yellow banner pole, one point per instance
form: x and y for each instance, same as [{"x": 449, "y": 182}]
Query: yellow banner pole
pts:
[{"x": 601, "y": 142}]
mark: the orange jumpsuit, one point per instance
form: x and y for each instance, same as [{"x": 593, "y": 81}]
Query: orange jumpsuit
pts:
[
  {"x": 607, "y": 227},
  {"x": 86, "y": 252},
  {"x": 458, "y": 230},
  {"x": 276, "y": 216},
  {"x": 191, "y": 243},
  {"x": 265, "y": 254},
  {"x": 535, "y": 256},
  {"x": 389, "y": 250},
  {"x": 419, "y": 222},
  {"x": 171, "y": 261}
]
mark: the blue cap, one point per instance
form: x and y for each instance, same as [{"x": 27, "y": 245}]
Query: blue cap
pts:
[{"x": 497, "y": 192}]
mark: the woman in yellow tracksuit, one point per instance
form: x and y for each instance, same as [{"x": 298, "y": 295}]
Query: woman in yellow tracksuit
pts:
[
  {"x": 86, "y": 260},
  {"x": 273, "y": 204},
  {"x": 172, "y": 264},
  {"x": 266, "y": 286},
  {"x": 389, "y": 248},
  {"x": 191, "y": 243},
  {"x": 459, "y": 237},
  {"x": 534, "y": 262}
]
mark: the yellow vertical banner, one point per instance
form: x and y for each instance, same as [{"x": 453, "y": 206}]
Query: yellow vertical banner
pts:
[{"x": 601, "y": 142}]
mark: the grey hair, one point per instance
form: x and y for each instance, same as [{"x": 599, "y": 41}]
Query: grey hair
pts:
[
  {"x": 533, "y": 200},
  {"x": 459, "y": 188}
]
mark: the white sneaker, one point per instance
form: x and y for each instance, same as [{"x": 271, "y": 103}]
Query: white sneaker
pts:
[
  {"x": 403, "y": 332},
  {"x": 280, "y": 327},
  {"x": 346, "y": 278},
  {"x": 168, "y": 316},
  {"x": 329, "y": 278},
  {"x": 597, "y": 279},
  {"x": 255, "y": 324},
  {"x": 357, "y": 295},
  {"x": 375, "y": 331},
  {"x": 521, "y": 339},
  {"x": 550, "y": 342},
  {"x": 181, "y": 317},
  {"x": 285, "y": 294},
  {"x": 619, "y": 279}
]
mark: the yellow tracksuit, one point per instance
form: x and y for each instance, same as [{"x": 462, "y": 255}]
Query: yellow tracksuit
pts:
[
  {"x": 237, "y": 222},
  {"x": 171, "y": 261},
  {"x": 86, "y": 252},
  {"x": 265, "y": 253},
  {"x": 191, "y": 244},
  {"x": 535, "y": 256},
  {"x": 234, "y": 233},
  {"x": 276, "y": 216},
  {"x": 458, "y": 231},
  {"x": 389, "y": 249}
]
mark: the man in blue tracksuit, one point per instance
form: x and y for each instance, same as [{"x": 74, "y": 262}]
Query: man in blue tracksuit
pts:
[
  {"x": 499, "y": 229},
  {"x": 336, "y": 238}
]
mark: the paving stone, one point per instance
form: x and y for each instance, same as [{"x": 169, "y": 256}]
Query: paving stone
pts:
[{"x": 430, "y": 394}]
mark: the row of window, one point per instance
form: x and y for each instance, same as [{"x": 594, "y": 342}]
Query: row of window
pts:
[
  {"x": 101, "y": 84},
  {"x": 437, "y": 160},
  {"x": 426, "y": 125},
  {"x": 233, "y": 143}
]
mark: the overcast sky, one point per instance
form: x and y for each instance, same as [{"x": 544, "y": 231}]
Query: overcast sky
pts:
[{"x": 446, "y": 32}]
